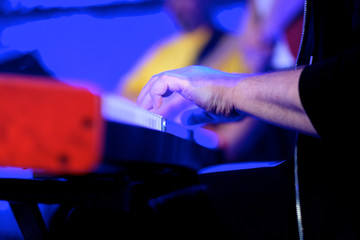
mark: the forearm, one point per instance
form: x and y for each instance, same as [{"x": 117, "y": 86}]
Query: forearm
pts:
[{"x": 273, "y": 97}]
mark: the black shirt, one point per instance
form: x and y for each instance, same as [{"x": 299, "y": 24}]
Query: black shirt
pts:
[{"x": 328, "y": 175}]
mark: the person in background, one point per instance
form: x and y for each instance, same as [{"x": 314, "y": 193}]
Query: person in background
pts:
[
  {"x": 201, "y": 42},
  {"x": 198, "y": 42},
  {"x": 265, "y": 28}
]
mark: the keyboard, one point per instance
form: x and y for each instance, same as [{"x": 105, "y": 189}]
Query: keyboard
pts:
[{"x": 53, "y": 127}]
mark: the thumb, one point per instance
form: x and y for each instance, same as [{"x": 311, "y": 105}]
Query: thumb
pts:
[
  {"x": 199, "y": 116},
  {"x": 196, "y": 116}
]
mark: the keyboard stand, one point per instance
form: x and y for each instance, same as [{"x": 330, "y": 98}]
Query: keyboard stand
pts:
[
  {"x": 29, "y": 219},
  {"x": 125, "y": 191}
]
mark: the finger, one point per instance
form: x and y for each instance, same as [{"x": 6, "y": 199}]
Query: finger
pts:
[
  {"x": 159, "y": 86},
  {"x": 147, "y": 102},
  {"x": 156, "y": 100},
  {"x": 145, "y": 91},
  {"x": 164, "y": 86}
]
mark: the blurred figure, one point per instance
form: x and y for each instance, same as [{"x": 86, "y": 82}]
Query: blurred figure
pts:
[
  {"x": 200, "y": 42},
  {"x": 262, "y": 30}
]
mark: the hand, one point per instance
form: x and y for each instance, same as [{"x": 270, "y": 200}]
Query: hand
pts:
[{"x": 208, "y": 88}]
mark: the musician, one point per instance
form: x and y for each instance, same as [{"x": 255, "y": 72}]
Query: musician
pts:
[
  {"x": 201, "y": 42},
  {"x": 316, "y": 100}
]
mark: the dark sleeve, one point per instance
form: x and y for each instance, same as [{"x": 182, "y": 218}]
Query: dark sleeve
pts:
[{"x": 328, "y": 93}]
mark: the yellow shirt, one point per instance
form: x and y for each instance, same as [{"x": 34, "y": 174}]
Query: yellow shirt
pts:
[{"x": 180, "y": 51}]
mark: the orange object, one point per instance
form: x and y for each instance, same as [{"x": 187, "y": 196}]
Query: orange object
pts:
[{"x": 48, "y": 125}]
